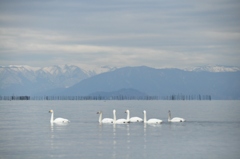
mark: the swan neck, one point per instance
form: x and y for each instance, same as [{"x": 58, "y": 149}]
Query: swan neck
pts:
[
  {"x": 169, "y": 116},
  {"x": 51, "y": 119},
  {"x": 144, "y": 117},
  {"x": 100, "y": 118},
  {"x": 128, "y": 115},
  {"x": 114, "y": 116}
]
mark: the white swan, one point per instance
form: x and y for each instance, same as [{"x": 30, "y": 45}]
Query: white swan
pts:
[
  {"x": 57, "y": 120},
  {"x": 132, "y": 119},
  {"x": 150, "y": 121},
  {"x": 119, "y": 121},
  {"x": 175, "y": 119},
  {"x": 105, "y": 120}
]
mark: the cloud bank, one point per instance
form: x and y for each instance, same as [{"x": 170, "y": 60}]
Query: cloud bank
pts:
[{"x": 120, "y": 33}]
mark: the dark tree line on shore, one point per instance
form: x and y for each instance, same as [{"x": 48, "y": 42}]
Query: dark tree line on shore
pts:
[{"x": 119, "y": 97}]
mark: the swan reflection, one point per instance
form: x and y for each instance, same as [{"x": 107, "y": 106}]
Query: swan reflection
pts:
[
  {"x": 57, "y": 126},
  {"x": 120, "y": 134},
  {"x": 114, "y": 141}
]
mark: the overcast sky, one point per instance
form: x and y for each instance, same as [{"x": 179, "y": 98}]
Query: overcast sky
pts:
[{"x": 155, "y": 33}]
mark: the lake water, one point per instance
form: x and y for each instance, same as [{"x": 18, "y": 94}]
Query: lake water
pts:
[{"x": 212, "y": 130}]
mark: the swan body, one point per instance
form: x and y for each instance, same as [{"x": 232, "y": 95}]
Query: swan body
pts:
[
  {"x": 119, "y": 121},
  {"x": 105, "y": 120},
  {"x": 150, "y": 121},
  {"x": 57, "y": 120},
  {"x": 175, "y": 119},
  {"x": 132, "y": 119}
]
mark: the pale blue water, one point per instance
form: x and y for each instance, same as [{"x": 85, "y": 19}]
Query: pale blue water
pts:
[{"x": 212, "y": 130}]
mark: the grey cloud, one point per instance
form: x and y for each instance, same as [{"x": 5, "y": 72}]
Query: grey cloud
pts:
[{"x": 188, "y": 32}]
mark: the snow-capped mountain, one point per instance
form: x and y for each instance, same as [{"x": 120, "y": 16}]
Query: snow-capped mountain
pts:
[
  {"x": 216, "y": 68},
  {"x": 13, "y": 75},
  {"x": 36, "y": 79}
]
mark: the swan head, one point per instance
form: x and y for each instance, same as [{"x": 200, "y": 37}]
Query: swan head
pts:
[
  {"x": 144, "y": 111},
  {"x": 114, "y": 111},
  {"x": 50, "y": 111},
  {"x": 127, "y": 111},
  {"x": 100, "y": 112}
]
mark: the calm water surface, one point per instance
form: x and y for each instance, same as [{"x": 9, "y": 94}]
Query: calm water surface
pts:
[{"x": 212, "y": 130}]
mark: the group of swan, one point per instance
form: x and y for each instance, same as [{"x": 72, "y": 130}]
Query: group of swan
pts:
[
  {"x": 136, "y": 119},
  {"x": 110, "y": 120},
  {"x": 122, "y": 121}
]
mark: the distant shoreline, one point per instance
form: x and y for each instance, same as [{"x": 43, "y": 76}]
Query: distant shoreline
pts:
[{"x": 118, "y": 97}]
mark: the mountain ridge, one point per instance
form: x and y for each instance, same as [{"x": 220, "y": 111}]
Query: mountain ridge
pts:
[{"x": 72, "y": 80}]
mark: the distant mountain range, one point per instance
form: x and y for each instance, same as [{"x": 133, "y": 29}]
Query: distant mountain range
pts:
[{"x": 218, "y": 81}]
